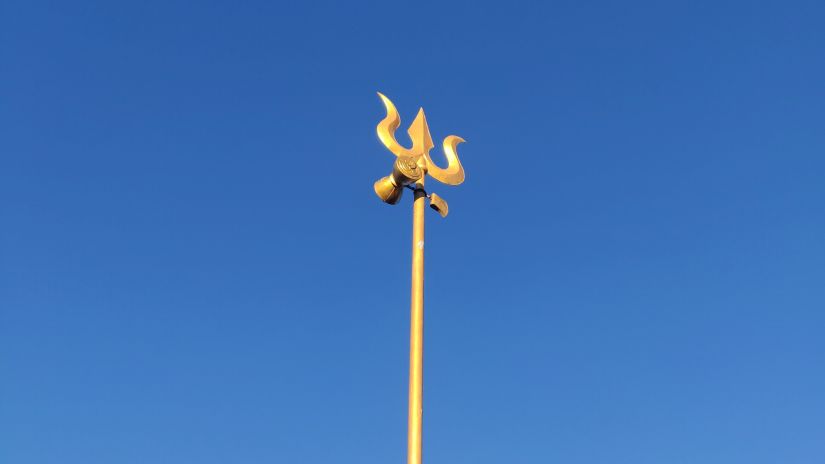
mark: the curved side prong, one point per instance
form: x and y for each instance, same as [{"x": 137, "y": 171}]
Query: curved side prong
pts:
[
  {"x": 454, "y": 173},
  {"x": 386, "y": 129}
]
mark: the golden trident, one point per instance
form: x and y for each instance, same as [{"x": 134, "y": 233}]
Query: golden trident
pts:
[{"x": 411, "y": 165}]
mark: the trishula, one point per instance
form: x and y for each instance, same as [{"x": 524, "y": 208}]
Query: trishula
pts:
[
  {"x": 411, "y": 165},
  {"x": 422, "y": 143}
]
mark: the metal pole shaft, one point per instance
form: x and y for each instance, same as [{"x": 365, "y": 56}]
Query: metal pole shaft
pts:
[{"x": 416, "y": 329}]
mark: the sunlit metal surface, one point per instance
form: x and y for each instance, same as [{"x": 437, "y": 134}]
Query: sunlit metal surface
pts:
[
  {"x": 409, "y": 172},
  {"x": 422, "y": 143}
]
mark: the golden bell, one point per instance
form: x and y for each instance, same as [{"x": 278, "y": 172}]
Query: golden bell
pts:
[
  {"x": 387, "y": 191},
  {"x": 405, "y": 171}
]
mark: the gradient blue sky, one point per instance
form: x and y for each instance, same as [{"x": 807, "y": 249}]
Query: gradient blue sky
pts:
[{"x": 194, "y": 267}]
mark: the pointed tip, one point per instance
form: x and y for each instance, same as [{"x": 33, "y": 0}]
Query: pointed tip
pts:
[
  {"x": 419, "y": 132},
  {"x": 420, "y": 119}
]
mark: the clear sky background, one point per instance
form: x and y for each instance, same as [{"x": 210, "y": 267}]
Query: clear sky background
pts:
[{"x": 194, "y": 267}]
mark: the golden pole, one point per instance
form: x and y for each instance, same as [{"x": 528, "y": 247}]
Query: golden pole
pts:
[
  {"x": 408, "y": 171},
  {"x": 416, "y": 328}
]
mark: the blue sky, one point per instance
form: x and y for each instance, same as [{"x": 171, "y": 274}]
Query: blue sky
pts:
[{"x": 194, "y": 267}]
